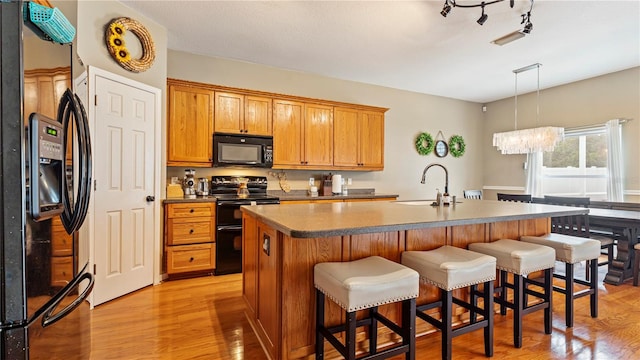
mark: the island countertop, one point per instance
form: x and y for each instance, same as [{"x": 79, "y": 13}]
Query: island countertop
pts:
[{"x": 344, "y": 218}]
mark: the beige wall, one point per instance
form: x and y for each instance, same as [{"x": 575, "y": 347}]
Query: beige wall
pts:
[
  {"x": 587, "y": 102},
  {"x": 410, "y": 114}
]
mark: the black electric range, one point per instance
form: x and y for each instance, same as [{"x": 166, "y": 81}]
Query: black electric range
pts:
[{"x": 229, "y": 217}]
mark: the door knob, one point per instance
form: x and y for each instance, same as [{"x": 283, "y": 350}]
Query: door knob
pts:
[{"x": 151, "y": 198}]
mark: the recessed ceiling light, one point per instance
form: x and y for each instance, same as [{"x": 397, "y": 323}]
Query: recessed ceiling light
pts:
[{"x": 509, "y": 38}]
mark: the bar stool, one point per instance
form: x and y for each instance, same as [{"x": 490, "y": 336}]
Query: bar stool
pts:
[
  {"x": 451, "y": 268},
  {"x": 572, "y": 250},
  {"x": 636, "y": 264},
  {"x": 520, "y": 259},
  {"x": 366, "y": 284}
]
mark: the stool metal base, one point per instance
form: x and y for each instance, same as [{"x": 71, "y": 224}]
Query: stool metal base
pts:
[
  {"x": 520, "y": 306},
  {"x": 445, "y": 324},
  {"x": 571, "y": 295},
  {"x": 348, "y": 350}
]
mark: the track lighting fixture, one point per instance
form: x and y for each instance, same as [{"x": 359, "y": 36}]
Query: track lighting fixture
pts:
[
  {"x": 483, "y": 17},
  {"x": 445, "y": 9},
  {"x": 526, "y": 18}
]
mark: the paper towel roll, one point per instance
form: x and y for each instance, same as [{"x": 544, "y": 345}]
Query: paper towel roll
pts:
[{"x": 336, "y": 184}]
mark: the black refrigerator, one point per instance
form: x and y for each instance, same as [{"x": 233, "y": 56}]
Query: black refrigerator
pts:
[{"x": 45, "y": 164}]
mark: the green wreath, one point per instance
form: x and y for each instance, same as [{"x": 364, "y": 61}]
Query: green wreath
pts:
[
  {"x": 456, "y": 146},
  {"x": 424, "y": 143}
]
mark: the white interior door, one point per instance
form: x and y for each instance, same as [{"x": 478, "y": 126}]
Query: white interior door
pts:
[{"x": 125, "y": 173}]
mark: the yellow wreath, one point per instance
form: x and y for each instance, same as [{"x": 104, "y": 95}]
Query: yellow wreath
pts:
[{"x": 114, "y": 37}]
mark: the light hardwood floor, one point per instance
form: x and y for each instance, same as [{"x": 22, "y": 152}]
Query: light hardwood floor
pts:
[{"x": 202, "y": 318}]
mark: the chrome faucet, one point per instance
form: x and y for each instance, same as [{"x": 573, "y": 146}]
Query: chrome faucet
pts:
[{"x": 446, "y": 176}]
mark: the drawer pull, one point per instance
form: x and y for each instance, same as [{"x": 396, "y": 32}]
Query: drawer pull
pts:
[
  {"x": 191, "y": 259},
  {"x": 191, "y": 210},
  {"x": 191, "y": 231}
]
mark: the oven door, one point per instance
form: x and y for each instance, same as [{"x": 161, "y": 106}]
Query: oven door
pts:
[
  {"x": 228, "y": 249},
  {"x": 229, "y": 237}
]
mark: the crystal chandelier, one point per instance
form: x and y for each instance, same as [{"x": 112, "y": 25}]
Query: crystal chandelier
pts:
[{"x": 528, "y": 140}]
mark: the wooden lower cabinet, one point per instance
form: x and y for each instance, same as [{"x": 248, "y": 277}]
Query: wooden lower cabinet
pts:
[
  {"x": 190, "y": 237},
  {"x": 61, "y": 254},
  {"x": 187, "y": 258}
]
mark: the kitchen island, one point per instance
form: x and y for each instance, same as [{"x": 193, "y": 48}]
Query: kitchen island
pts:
[{"x": 281, "y": 244}]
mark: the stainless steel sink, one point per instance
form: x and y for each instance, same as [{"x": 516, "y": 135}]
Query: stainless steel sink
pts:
[
  {"x": 415, "y": 202},
  {"x": 418, "y": 202}
]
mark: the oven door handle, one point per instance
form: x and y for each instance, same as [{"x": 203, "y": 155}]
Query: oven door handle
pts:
[
  {"x": 229, "y": 228},
  {"x": 233, "y": 203}
]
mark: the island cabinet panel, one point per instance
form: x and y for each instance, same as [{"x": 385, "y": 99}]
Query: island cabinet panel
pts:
[
  {"x": 535, "y": 226},
  {"x": 269, "y": 287},
  {"x": 298, "y": 298},
  {"x": 249, "y": 264},
  {"x": 463, "y": 235}
]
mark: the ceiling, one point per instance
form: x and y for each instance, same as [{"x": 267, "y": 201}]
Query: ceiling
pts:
[{"x": 407, "y": 44}]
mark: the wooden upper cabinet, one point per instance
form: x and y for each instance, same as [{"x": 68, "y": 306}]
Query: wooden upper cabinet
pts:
[
  {"x": 240, "y": 114},
  {"x": 288, "y": 117},
  {"x": 229, "y": 113},
  {"x": 258, "y": 115},
  {"x": 318, "y": 135},
  {"x": 358, "y": 139},
  {"x": 43, "y": 89},
  {"x": 302, "y": 135},
  {"x": 307, "y": 133},
  {"x": 190, "y": 126},
  {"x": 372, "y": 140}
]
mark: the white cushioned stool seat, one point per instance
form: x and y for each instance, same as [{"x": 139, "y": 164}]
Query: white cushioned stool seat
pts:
[
  {"x": 517, "y": 257},
  {"x": 569, "y": 249},
  {"x": 364, "y": 283},
  {"x": 449, "y": 267}
]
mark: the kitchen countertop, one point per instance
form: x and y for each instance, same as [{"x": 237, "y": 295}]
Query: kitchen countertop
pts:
[
  {"x": 297, "y": 195},
  {"x": 349, "y": 218},
  {"x": 182, "y": 200}
]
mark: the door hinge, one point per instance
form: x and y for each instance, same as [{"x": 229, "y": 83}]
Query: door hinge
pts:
[
  {"x": 95, "y": 185},
  {"x": 94, "y": 269},
  {"x": 95, "y": 100}
]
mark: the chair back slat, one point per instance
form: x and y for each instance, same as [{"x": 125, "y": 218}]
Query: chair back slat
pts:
[
  {"x": 525, "y": 198},
  {"x": 472, "y": 194},
  {"x": 574, "y": 225}
]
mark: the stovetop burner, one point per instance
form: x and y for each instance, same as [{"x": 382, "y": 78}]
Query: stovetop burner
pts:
[{"x": 225, "y": 188}]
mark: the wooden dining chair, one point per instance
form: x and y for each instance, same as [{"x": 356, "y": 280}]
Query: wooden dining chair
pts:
[
  {"x": 578, "y": 225},
  {"x": 525, "y": 198},
  {"x": 472, "y": 194}
]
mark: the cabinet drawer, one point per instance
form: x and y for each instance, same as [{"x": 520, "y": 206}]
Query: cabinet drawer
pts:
[
  {"x": 185, "y": 258},
  {"x": 185, "y": 210},
  {"x": 190, "y": 231},
  {"x": 61, "y": 270},
  {"x": 61, "y": 243}
]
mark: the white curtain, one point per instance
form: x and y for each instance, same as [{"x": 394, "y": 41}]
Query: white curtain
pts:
[
  {"x": 614, "y": 160},
  {"x": 534, "y": 174}
]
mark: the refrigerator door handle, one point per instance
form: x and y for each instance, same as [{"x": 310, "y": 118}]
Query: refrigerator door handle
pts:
[
  {"x": 52, "y": 304},
  {"x": 49, "y": 319}
]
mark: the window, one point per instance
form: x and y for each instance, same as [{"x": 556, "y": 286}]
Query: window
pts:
[{"x": 578, "y": 165}]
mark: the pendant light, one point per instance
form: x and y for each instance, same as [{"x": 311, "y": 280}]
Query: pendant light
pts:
[{"x": 528, "y": 140}]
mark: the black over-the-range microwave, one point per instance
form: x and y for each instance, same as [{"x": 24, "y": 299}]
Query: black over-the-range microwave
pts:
[{"x": 242, "y": 150}]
